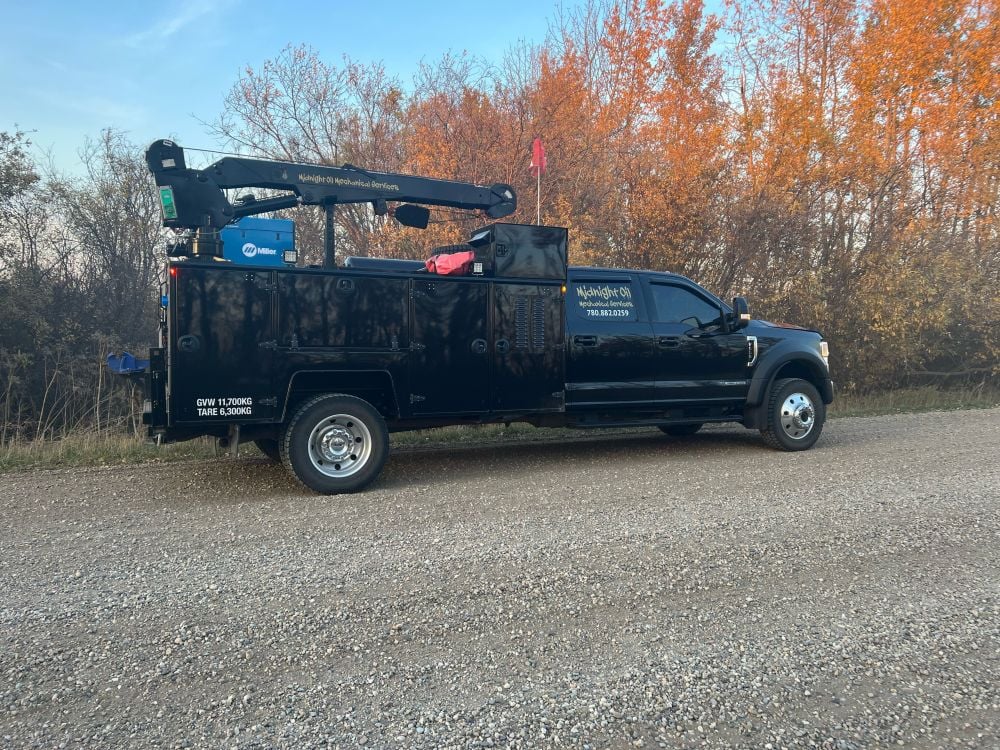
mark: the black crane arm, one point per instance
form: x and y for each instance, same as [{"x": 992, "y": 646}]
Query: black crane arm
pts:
[{"x": 194, "y": 198}]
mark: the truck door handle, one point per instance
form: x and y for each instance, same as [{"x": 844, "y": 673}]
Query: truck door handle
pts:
[
  {"x": 585, "y": 340},
  {"x": 669, "y": 341}
]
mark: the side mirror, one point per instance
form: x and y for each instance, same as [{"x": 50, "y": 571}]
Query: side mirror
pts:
[
  {"x": 410, "y": 215},
  {"x": 741, "y": 313}
]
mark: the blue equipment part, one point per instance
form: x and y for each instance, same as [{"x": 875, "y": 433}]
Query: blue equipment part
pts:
[
  {"x": 127, "y": 364},
  {"x": 259, "y": 242}
]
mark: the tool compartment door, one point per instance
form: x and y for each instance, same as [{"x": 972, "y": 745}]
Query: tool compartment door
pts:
[
  {"x": 221, "y": 344},
  {"x": 528, "y": 341},
  {"x": 449, "y": 346}
]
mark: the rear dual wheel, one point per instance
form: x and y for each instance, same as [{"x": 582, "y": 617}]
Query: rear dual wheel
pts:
[{"x": 335, "y": 443}]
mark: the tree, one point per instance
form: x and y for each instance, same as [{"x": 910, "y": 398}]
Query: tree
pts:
[
  {"x": 78, "y": 277},
  {"x": 112, "y": 216},
  {"x": 299, "y": 108}
]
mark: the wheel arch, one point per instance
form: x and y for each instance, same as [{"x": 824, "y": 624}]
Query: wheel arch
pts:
[{"x": 374, "y": 386}]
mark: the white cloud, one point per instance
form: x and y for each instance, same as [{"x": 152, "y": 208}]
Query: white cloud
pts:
[{"x": 184, "y": 15}]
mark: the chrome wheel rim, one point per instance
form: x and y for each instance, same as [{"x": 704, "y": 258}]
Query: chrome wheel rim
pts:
[
  {"x": 798, "y": 416},
  {"x": 340, "y": 445}
]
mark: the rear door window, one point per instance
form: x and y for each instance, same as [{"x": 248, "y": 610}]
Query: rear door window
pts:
[{"x": 610, "y": 299}]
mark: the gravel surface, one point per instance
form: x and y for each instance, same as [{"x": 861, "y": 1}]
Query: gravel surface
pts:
[{"x": 640, "y": 591}]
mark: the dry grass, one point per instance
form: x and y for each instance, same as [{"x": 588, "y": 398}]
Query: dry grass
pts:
[
  {"x": 905, "y": 400},
  {"x": 97, "y": 449},
  {"x": 103, "y": 449}
]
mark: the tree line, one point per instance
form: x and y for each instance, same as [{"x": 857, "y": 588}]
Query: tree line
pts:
[
  {"x": 836, "y": 161},
  {"x": 79, "y": 261}
]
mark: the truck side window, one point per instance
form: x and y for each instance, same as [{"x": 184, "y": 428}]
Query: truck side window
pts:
[
  {"x": 675, "y": 304},
  {"x": 613, "y": 299}
]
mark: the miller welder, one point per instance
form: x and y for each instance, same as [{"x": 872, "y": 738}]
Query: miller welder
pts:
[{"x": 259, "y": 242}]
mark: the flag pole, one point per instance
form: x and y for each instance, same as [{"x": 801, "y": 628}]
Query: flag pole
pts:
[
  {"x": 538, "y": 166},
  {"x": 538, "y": 197}
]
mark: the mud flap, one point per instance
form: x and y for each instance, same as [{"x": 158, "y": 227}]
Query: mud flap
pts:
[{"x": 154, "y": 411}]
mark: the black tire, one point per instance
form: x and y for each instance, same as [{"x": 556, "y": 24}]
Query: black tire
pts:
[
  {"x": 335, "y": 443},
  {"x": 795, "y": 415},
  {"x": 269, "y": 447},
  {"x": 680, "y": 430}
]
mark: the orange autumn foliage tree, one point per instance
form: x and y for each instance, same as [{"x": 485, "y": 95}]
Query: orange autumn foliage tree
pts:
[{"x": 836, "y": 160}]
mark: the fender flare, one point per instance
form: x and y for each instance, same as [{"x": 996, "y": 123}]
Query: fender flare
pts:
[{"x": 767, "y": 370}]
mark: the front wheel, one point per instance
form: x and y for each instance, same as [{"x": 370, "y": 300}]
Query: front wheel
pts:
[
  {"x": 335, "y": 443},
  {"x": 795, "y": 415}
]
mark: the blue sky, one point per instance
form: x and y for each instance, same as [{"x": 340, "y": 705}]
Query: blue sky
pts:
[{"x": 67, "y": 70}]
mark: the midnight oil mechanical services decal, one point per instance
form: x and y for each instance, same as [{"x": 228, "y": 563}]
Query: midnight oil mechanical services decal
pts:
[{"x": 610, "y": 301}]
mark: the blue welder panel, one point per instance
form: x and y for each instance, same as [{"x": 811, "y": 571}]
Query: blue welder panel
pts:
[{"x": 258, "y": 242}]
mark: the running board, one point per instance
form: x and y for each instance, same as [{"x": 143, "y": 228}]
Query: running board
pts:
[{"x": 652, "y": 422}]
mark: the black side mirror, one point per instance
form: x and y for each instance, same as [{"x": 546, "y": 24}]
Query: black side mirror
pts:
[
  {"x": 741, "y": 313},
  {"x": 410, "y": 215}
]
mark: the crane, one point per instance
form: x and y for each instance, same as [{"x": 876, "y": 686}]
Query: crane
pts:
[{"x": 195, "y": 199}]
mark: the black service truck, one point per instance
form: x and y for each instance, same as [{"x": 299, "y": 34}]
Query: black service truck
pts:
[{"x": 318, "y": 365}]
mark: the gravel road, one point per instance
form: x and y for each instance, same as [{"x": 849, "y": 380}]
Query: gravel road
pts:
[{"x": 635, "y": 591}]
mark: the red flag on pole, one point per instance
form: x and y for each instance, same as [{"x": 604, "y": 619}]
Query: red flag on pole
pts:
[{"x": 537, "y": 158}]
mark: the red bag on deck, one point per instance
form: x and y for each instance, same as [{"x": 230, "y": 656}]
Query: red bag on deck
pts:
[{"x": 451, "y": 264}]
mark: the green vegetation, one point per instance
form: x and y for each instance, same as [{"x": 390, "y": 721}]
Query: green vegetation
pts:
[{"x": 104, "y": 449}]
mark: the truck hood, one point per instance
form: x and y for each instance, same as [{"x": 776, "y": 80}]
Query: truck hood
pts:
[{"x": 789, "y": 326}]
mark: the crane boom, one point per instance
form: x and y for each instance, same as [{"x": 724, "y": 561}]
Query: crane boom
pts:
[{"x": 195, "y": 199}]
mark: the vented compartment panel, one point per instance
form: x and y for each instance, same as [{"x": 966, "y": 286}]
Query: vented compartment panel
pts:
[
  {"x": 521, "y": 322},
  {"x": 538, "y": 323},
  {"x": 528, "y": 361}
]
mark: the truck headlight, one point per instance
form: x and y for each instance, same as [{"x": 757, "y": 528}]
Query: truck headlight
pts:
[{"x": 824, "y": 352}]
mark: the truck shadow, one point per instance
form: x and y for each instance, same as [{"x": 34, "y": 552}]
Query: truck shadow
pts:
[
  {"x": 447, "y": 463},
  {"x": 439, "y": 465}
]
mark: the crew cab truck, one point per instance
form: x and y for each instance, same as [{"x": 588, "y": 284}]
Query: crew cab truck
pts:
[{"x": 319, "y": 365}]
